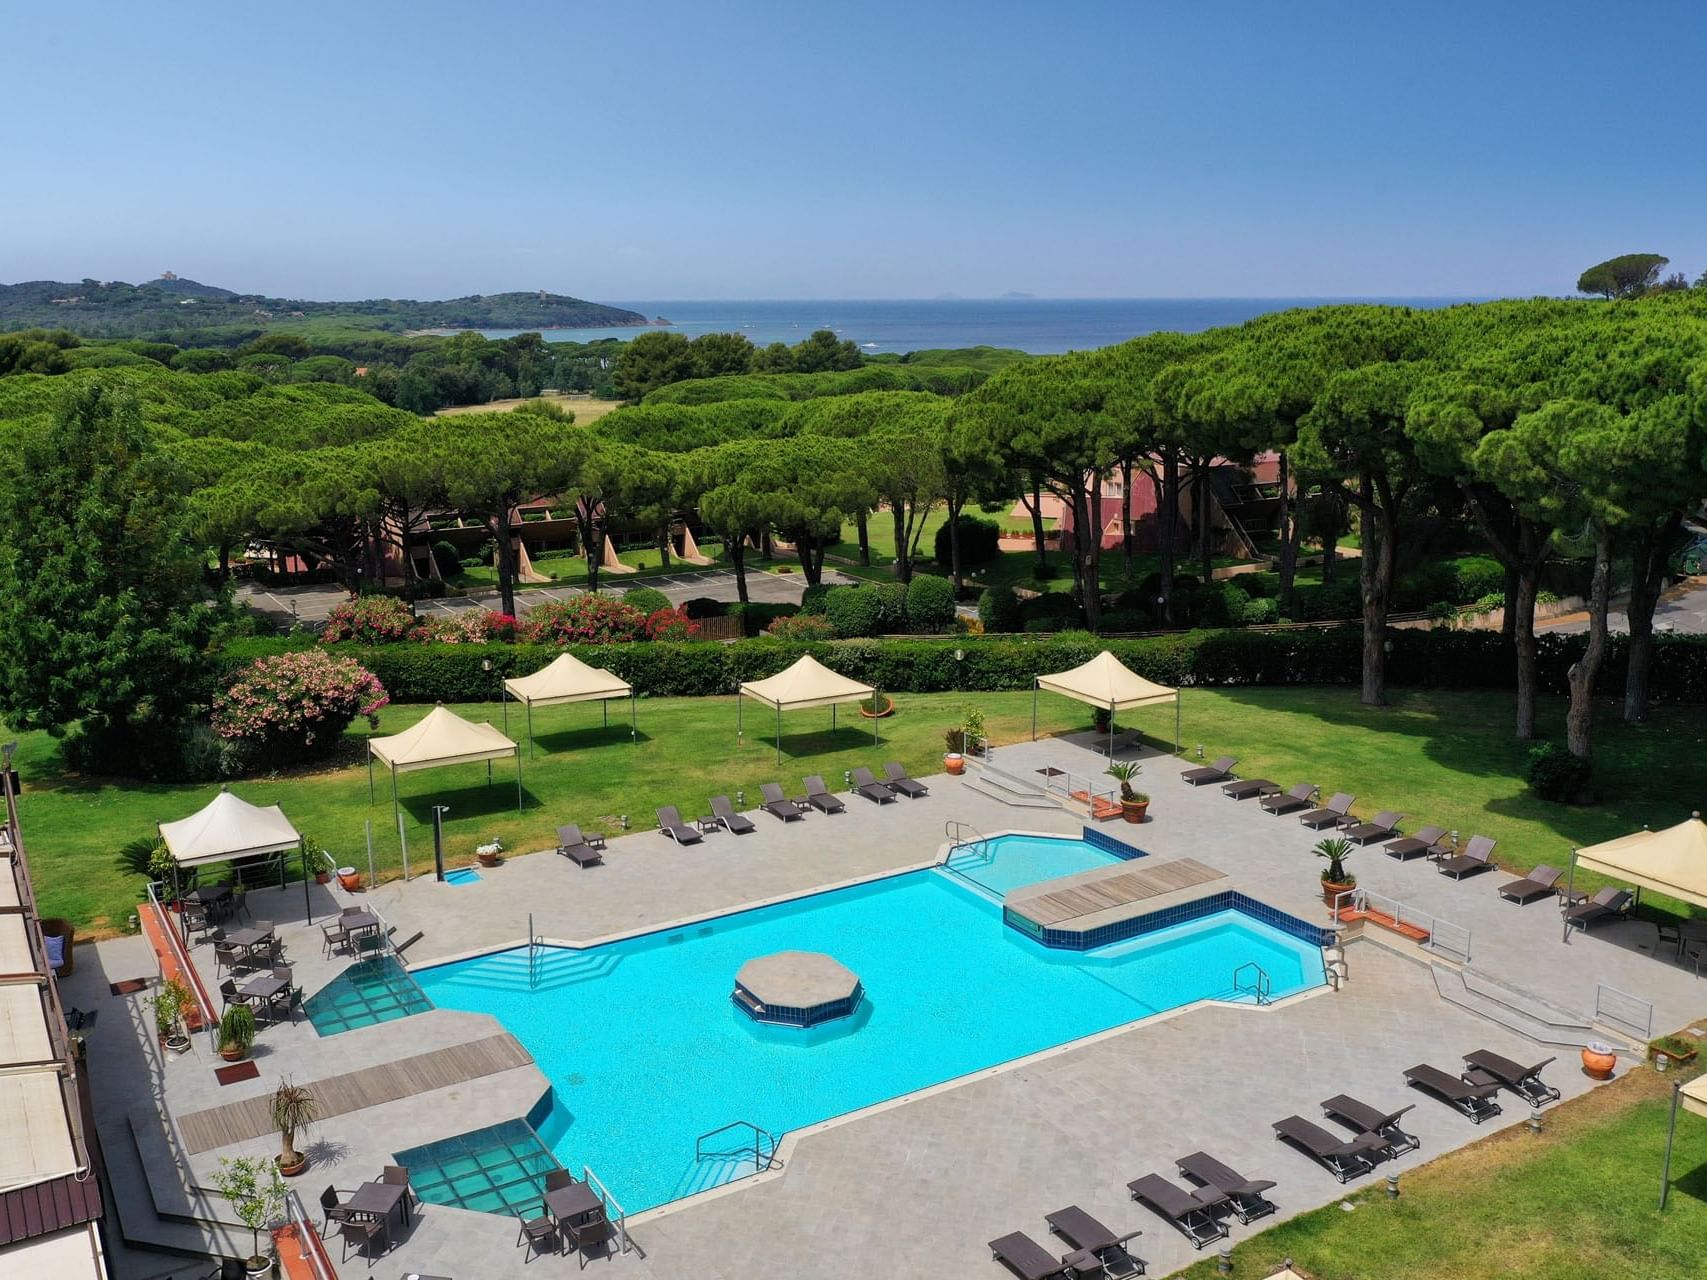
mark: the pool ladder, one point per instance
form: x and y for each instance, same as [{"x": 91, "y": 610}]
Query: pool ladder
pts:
[
  {"x": 957, "y": 833},
  {"x": 535, "y": 943},
  {"x": 763, "y": 1160},
  {"x": 1259, "y": 985}
]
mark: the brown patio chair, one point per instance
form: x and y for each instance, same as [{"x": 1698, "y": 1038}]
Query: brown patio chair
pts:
[
  {"x": 534, "y": 1232},
  {"x": 820, "y": 798},
  {"x": 1537, "y": 884},
  {"x": 896, "y": 777},
  {"x": 1220, "y": 771},
  {"x": 1084, "y": 1232},
  {"x": 1360, "y": 1117},
  {"x": 728, "y": 819},
  {"x": 1192, "y": 1213},
  {"x": 1478, "y": 855},
  {"x": 1430, "y": 840},
  {"x": 1027, "y": 1259},
  {"x": 1245, "y": 1195},
  {"x": 1345, "y": 1160},
  {"x": 670, "y": 823},
  {"x": 1608, "y": 904},
  {"x": 1475, "y": 1101},
  {"x": 361, "y": 1232},
  {"x": 1298, "y": 796},
  {"x": 869, "y": 787},
  {"x": 1380, "y": 827},
  {"x": 1333, "y": 814},
  {"x": 1245, "y": 788},
  {"x": 1524, "y": 1081},
  {"x": 777, "y": 804},
  {"x": 578, "y": 848}
]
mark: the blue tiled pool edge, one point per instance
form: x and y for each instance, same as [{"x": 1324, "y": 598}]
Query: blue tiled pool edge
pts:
[
  {"x": 1098, "y": 839},
  {"x": 1228, "y": 899}
]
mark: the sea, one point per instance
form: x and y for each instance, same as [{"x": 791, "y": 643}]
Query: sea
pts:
[{"x": 1042, "y": 326}]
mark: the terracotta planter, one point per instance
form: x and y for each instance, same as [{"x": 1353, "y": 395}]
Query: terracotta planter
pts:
[
  {"x": 1598, "y": 1061},
  {"x": 291, "y": 1170},
  {"x": 321, "y": 877},
  {"x": 1332, "y": 889},
  {"x": 1134, "y": 810},
  {"x": 350, "y": 880},
  {"x": 888, "y": 708},
  {"x": 233, "y": 1054},
  {"x": 487, "y": 859},
  {"x": 954, "y": 762}
]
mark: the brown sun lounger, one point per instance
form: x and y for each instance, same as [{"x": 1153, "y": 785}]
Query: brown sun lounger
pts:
[
  {"x": 1244, "y": 1195},
  {"x": 1334, "y": 813},
  {"x": 871, "y": 788},
  {"x": 1298, "y": 797},
  {"x": 778, "y": 805},
  {"x": 1360, "y": 1117},
  {"x": 1245, "y": 788},
  {"x": 1345, "y": 1160},
  {"x": 1380, "y": 827},
  {"x": 728, "y": 819},
  {"x": 1537, "y": 884},
  {"x": 819, "y": 797},
  {"x": 1608, "y": 904},
  {"x": 671, "y": 824},
  {"x": 1023, "y": 1256},
  {"x": 582, "y": 850},
  {"x": 1524, "y": 1081},
  {"x": 1220, "y": 771},
  {"x": 896, "y": 778},
  {"x": 1474, "y": 1100},
  {"x": 1430, "y": 840},
  {"x": 1082, "y": 1231},
  {"x": 1478, "y": 855},
  {"x": 1192, "y": 1212}
]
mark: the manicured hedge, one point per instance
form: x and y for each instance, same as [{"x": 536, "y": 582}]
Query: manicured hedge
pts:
[{"x": 923, "y": 664}]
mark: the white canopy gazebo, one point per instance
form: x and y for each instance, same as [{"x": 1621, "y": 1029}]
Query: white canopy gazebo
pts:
[
  {"x": 567, "y": 679},
  {"x": 441, "y": 738},
  {"x": 1672, "y": 861},
  {"x": 808, "y": 683},
  {"x": 1693, "y": 1098},
  {"x": 229, "y": 828},
  {"x": 1106, "y": 682}
]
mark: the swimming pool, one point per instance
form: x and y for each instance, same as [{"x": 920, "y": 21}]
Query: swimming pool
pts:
[
  {"x": 1006, "y": 862},
  {"x": 646, "y": 1052}
]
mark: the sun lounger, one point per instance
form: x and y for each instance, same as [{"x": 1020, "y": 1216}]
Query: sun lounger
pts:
[
  {"x": 1360, "y": 1117},
  {"x": 727, "y": 818},
  {"x": 1220, "y": 771},
  {"x": 1245, "y": 1195},
  {"x": 1474, "y": 1100},
  {"x": 1380, "y": 827},
  {"x": 1524, "y": 1081},
  {"x": 1023, "y": 1256},
  {"x": 1333, "y": 814},
  {"x": 819, "y": 797},
  {"x": 1608, "y": 904},
  {"x": 1344, "y": 1159},
  {"x": 1298, "y": 797},
  {"x": 1429, "y": 840},
  {"x": 1084, "y": 1232},
  {"x": 897, "y": 778},
  {"x": 870, "y": 787},
  {"x": 671, "y": 824},
  {"x": 1478, "y": 855},
  {"x": 1537, "y": 884},
  {"x": 578, "y": 848},
  {"x": 1245, "y": 788},
  {"x": 1192, "y": 1212},
  {"x": 777, "y": 805}
]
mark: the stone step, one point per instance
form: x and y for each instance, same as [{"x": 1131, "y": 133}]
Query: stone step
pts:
[
  {"x": 171, "y": 1188},
  {"x": 142, "y": 1226},
  {"x": 1517, "y": 1012},
  {"x": 1526, "y": 1002},
  {"x": 1008, "y": 796}
]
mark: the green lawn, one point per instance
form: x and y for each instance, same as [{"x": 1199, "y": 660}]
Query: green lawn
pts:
[
  {"x": 1579, "y": 1200},
  {"x": 1440, "y": 757}
]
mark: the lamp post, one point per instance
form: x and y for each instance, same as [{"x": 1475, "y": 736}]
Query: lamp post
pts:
[{"x": 439, "y": 811}]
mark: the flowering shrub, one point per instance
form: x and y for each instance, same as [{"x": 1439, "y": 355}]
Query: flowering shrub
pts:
[
  {"x": 479, "y": 626},
  {"x": 294, "y": 706},
  {"x": 371, "y": 620},
  {"x": 670, "y": 623},
  {"x": 802, "y": 626},
  {"x": 585, "y": 619}
]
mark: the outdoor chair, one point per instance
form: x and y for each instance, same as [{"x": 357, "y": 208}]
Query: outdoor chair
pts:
[
  {"x": 395, "y": 1175},
  {"x": 1085, "y": 1233},
  {"x": 331, "y": 1207},
  {"x": 589, "y": 1234},
  {"x": 1478, "y": 855},
  {"x": 534, "y": 1232},
  {"x": 1297, "y": 797},
  {"x": 1474, "y": 1101},
  {"x": 778, "y": 805},
  {"x": 1192, "y": 1213},
  {"x": 732, "y": 822},
  {"x": 1027, "y": 1259},
  {"x": 1428, "y": 840},
  {"x": 225, "y": 956},
  {"x": 1524, "y": 1081},
  {"x": 1244, "y": 1195},
  {"x": 195, "y": 919},
  {"x": 580, "y": 848},
  {"x": 1245, "y": 788},
  {"x": 558, "y": 1179},
  {"x": 1380, "y": 827},
  {"x": 1608, "y": 904},
  {"x": 333, "y": 937},
  {"x": 361, "y": 1232},
  {"x": 1220, "y": 771},
  {"x": 239, "y": 903},
  {"x": 228, "y": 994},
  {"x": 1345, "y": 1160},
  {"x": 1333, "y": 814},
  {"x": 1360, "y": 1117},
  {"x": 896, "y": 777},
  {"x": 670, "y": 823},
  {"x": 819, "y": 797},
  {"x": 869, "y": 787},
  {"x": 1537, "y": 884}
]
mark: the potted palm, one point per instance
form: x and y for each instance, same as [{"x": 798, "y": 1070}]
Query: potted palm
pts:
[
  {"x": 257, "y": 1198},
  {"x": 1335, "y": 878},
  {"x": 293, "y": 1109},
  {"x": 955, "y": 740},
  {"x": 236, "y": 1032},
  {"x": 169, "y": 1003},
  {"x": 1133, "y": 804}
]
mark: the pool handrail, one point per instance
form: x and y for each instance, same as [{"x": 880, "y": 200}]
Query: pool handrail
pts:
[{"x": 614, "y": 1212}]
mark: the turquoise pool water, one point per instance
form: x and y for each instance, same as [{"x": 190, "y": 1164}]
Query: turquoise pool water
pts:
[
  {"x": 1008, "y": 862},
  {"x": 378, "y": 989},
  {"x": 646, "y": 1052},
  {"x": 462, "y": 875}
]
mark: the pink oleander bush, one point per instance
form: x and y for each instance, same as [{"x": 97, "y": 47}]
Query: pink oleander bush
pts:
[
  {"x": 585, "y": 619},
  {"x": 479, "y": 626},
  {"x": 371, "y": 620},
  {"x": 802, "y": 626},
  {"x": 670, "y": 623},
  {"x": 293, "y": 707}
]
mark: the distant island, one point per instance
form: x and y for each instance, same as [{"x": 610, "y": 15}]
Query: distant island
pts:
[{"x": 172, "y": 306}]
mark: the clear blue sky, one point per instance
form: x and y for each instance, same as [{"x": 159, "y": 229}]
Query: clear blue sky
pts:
[{"x": 710, "y": 149}]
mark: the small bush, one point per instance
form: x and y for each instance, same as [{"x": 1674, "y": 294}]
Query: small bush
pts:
[
  {"x": 892, "y": 607},
  {"x": 999, "y": 609},
  {"x": 801, "y": 626},
  {"x": 854, "y": 611},
  {"x": 978, "y": 542},
  {"x": 1556, "y": 775},
  {"x": 447, "y": 558},
  {"x": 813, "y": 597},
  {"x": 705, "y": 607},
  {"x": 930, "y": 603},
  {"x": 590, "y": 619},
  {"x": 1266, "y": 609},
  {"x": 294, "y": 706},
  {"x": 370, "y": 620},
  {"x": 477, "y": 626},
  {"x": 1051, "y": 611},
  {"x": 1117, "y": 620},
  {"x": 647, "y": 599},
  {"x": 670, "y": 623}
]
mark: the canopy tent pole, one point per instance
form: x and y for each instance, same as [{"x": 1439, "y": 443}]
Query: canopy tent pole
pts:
[
  {"x": 739, "y": 703},
  {"x": 874, "y": 720},
  {"x": 832, "y": 718},
  {"x": 307, "y": 899},
  {"x": 488, "y": 773},
  {"x": 1034, "y": 688},
  {"x": 633, "y": 718},
  {"x": 779, "y": 733},
  {"x": 370, "y": 776},
  {"x": 1671, "y": 1133},
  {"x": 1570, "y": 887},
  {"x": 604, "y": 705},
  {"x": 394, "y": 809},
  {"x": 1176, "y": 721},
  {"x": 504, "y": 702},
  {"x": 529, "y": 705},
  {"x": 518, "y": 780},
  {"x": 1111, "y": 730}
]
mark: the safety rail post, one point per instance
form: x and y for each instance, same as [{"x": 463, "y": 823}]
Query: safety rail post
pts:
[
  {"x": 1605, "y": 1010},
  {"x": 180, "y": 953},
  {"x": 613, "y": 1210},
  {"x": 315, "y": 1255}
]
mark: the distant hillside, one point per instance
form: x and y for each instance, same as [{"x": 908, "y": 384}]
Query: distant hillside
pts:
[{"x": 173, "y": 308}]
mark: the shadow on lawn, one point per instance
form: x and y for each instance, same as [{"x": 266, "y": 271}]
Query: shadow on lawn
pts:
[
  {"x": 805, "y": 745},
  {"x": 583, "y": 739},
  {"x": 479, "y": 800}
]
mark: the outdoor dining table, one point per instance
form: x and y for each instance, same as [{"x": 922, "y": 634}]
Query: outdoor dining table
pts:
[
  {"x": 573, "y": 1202},
  {"x": 210, "y": 895},
  {"x": 358, "y": 922},
  {"x": 378, "y": 1199},
  {"x": 262, "y": 989}
]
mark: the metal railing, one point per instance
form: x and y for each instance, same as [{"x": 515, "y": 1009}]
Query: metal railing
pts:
[
  {"x": 617, "y": 1215},
  {"x": 1451, "y": 939},
  {"x": 762, "y": 1159},
  {"x": 1259, "y": 986},
  {"x": 180, "y": 953},
  {"x": 536, "y": 942},
  {"x": 1624, "y": 1011},
  {"x": 1073, "y": 787},
  {"x": 957, "y": 833},
  {"x": 308, "y": 1239}
]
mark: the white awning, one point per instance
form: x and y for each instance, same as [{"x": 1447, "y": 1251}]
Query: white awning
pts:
[
  {"x": 567, "y": 679},
  {"x": 1672, "y": 861},
  {"x": 442, "y": 737},
  {"x": 1108, "y": 683},
  {"x": 1694, "y": 1096},
  {"x": 808, "y": 683},
  {"x": 23, "y": 1027},
  {"x": 35, "y": 1135},
  {"x": 228, "y": 827}
]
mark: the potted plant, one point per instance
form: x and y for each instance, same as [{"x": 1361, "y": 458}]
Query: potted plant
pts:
[
  {"x": 975, "y": 740},
  {"x": 169, "y": 1003},
  {"x": 955, "y": 740},
  {"x": 1335, "y": 879},
  {"x": 317, "y": 857},
  {"x": 876, "y": 706},
  {"x": 350, "y": 879},
  {"x": 1101, "y": 718},
  {"x": 257, "y": 1198},
  {"x": 236, "y": 1032},
  {"x": 293, "y": 1109},
  {"x": 1671, "y": 1050},
  {"x": 488, "y": 853},
  {"x": 1599, "y": 1060},
  {"x": 1133, "y": 804}
]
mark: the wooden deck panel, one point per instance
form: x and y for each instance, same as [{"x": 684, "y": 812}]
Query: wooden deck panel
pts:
[
  {"x": 355, "y": 1090},
  {"x": 1130, "y": 885}
]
